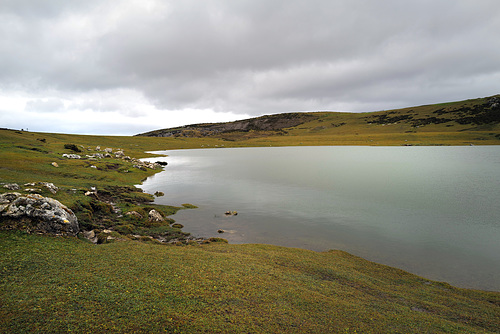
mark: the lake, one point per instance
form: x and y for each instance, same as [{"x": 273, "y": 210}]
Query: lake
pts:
[{"x": 433, "y": 211}]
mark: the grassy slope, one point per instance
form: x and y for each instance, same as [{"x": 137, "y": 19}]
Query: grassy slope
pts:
[
  {"x": 54, "y": 284},
  {"x": 137, "y": 287}
]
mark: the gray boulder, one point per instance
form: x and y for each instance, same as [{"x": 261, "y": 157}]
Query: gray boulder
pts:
[
  {"x": 36, "y": 213},
  {"x": 155, "y": 216}
]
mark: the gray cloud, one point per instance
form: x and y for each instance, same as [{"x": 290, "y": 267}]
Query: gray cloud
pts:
[{"x": 251, "y": 57}]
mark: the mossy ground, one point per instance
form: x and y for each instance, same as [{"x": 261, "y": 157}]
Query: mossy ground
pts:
[{"x": 52, "y": 285}]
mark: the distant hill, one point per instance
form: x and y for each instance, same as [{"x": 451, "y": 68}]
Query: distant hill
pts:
[{"x": 480, "y": 115}]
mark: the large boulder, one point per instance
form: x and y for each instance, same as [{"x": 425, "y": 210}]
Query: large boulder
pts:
[{"x": 35, "y": 213}]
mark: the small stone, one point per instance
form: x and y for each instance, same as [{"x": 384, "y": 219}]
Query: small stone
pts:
[
  {"x": 220, "y": 231},
  {"x": 55, "y": 164},
  {"x": 134, "y": 214},
  {"x": 12, "y": 186}
]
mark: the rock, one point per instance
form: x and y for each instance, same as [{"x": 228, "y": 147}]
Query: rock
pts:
[
  {"x": 159, "y": 193},
  {"x": 98, "y": 148},
  {"x": 119, "y": 154},
  {"x": 231, "y": 213},
  {"x": 12, "y": 186},
  {"x": 89, "y": 234},
  {"x": 36, "y": 213},
  {"x": 155, "y": 216},
  {"x": 71, "y": 156},
  {"x": 134, "y": 214},
  {"x": 220, "y": 231},
  {"x": 50, "y": 186},
  {"x": 177, "y": 225},
  {"x": 140, "y": 167},
  {"x": 162, "y": 163},
  {"x": 108, "y": 150},
  {"x": 55, "y": 164}
]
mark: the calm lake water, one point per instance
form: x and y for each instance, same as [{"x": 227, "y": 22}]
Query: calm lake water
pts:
[{"x": 433, "y": 211}]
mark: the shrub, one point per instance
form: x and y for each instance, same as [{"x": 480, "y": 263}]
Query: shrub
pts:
[{"x": 72, "y": 147}]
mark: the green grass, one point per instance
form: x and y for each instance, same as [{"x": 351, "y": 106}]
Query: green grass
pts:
[{"x": 221, "y": 288}]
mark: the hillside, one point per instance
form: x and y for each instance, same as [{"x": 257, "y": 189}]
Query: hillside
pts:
[{"x": 474, "y": 121}]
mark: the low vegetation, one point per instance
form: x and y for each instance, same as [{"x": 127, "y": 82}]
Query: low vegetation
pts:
[
  {"x": 148, "y": 275},
  {"x": 52, "y": 285}
]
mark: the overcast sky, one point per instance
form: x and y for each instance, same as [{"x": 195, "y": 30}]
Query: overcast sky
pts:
[{"x": 125, "y": 67}]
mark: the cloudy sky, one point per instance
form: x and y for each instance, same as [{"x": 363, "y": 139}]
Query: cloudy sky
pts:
[{"x": 125, "y": 67}]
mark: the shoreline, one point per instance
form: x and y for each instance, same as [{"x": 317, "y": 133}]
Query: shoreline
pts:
[{"x": 465, "y": 283}]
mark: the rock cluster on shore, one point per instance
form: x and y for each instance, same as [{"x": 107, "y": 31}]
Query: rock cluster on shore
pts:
[{"x": 118, "y": 154}]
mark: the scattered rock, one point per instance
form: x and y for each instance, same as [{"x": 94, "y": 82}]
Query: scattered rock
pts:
[
  {"x": 155, "y": 216},
  {"x": 177, "y": 225},
  {"x": 220, "y": 231},
  {"x": 98, "y": 148},
  {"x": 162, "y": 163},
  {"x": 50, "y": 186},
  {"x": 35, "y": 213},
  {"x": 159, "y": 194},
  {"x": 55, "y": 164},
  {"x": 231, "y": 213},
  {"x": 134, "y": 214},
  {"x": 71, "y": 156},
  {"x": 108, "y": 150},
  {"x": 12, "y": 186},
  {"x": 90, "y": 235}
]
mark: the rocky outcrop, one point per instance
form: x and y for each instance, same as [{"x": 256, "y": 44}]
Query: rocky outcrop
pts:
[
  {"x": 35, "y": 213},
  {"x": 273, "y": 123}
]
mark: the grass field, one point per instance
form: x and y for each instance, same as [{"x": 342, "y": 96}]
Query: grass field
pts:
[
  {"x": 53, "y": 285},
  {"x": 60, "y": 284}
]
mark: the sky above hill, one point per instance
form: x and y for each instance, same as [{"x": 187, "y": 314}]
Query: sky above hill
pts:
[{"x": 125, "y": 67}]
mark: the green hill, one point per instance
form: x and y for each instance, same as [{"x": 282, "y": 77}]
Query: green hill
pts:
[{"x": 474, "y": 121}]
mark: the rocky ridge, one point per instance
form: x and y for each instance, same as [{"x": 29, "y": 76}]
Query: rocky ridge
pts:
[{"x": 269, "y": 123}]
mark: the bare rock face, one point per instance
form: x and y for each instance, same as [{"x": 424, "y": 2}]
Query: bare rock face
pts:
[{"x": 36, "y": 213}]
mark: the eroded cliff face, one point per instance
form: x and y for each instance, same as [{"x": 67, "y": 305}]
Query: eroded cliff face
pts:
[{"x": 271, "y": 123}]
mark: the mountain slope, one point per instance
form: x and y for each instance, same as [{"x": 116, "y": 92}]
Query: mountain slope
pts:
[{"x": 470, "y": 121}]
